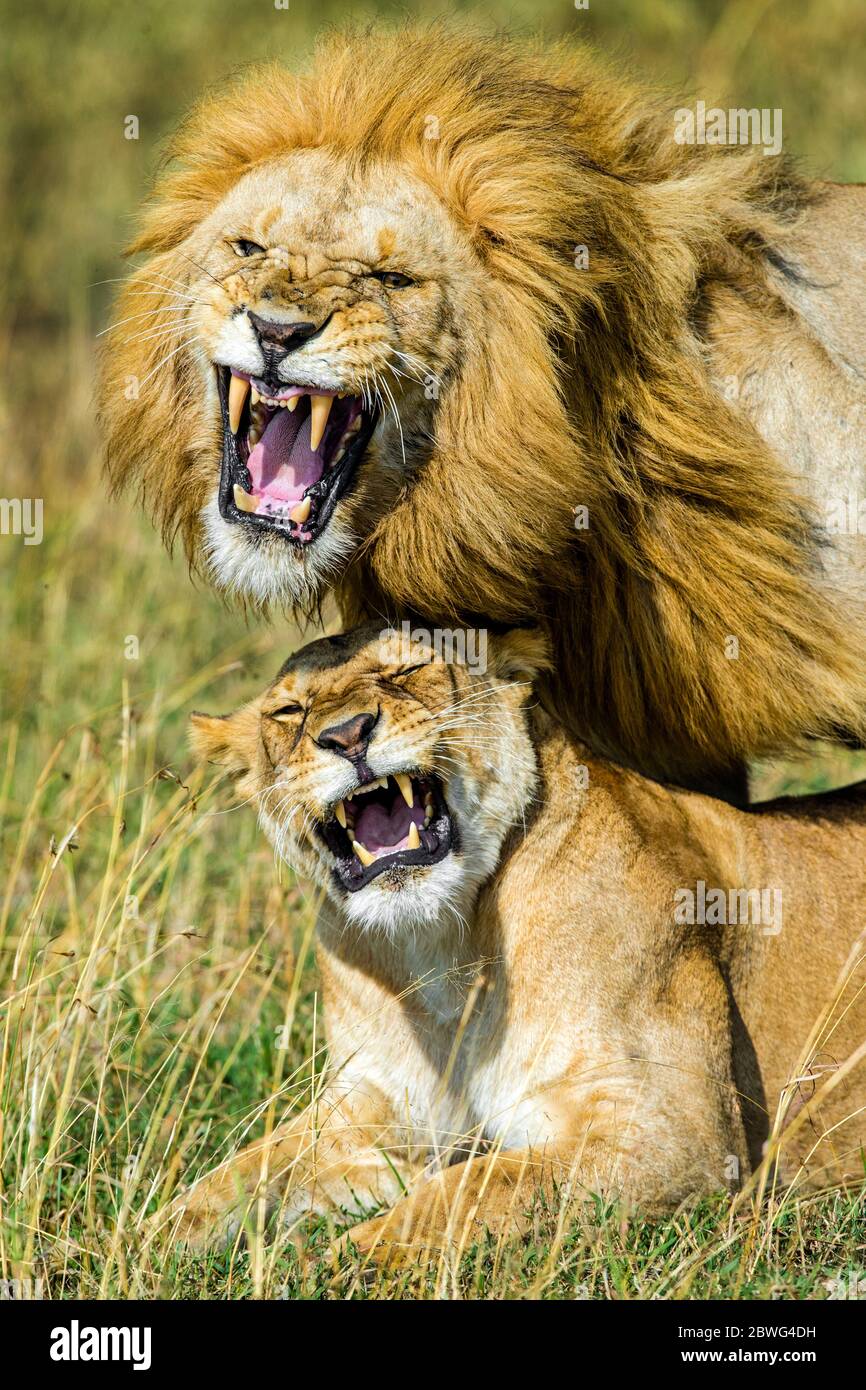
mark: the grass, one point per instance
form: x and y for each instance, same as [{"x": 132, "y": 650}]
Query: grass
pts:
[{"x": 158, "y": 994}]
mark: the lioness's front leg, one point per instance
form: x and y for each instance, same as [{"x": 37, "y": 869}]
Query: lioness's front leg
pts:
[
  {"x": 343, "y": 1152},
  {"x": 494, "y": 1192},
  {"x": 450, "y": 1210}
]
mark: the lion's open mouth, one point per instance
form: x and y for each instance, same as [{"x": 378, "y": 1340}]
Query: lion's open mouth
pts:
[
  {"x": 394, "y": 821},
  {"x": 287, "y": 457}
]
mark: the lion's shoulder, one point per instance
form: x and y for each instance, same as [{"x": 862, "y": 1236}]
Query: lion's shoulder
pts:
[{"x": 824, "y": 274}]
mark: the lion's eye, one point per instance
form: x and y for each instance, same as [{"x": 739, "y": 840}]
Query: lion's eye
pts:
[
  {"x": 407, "y": 670},
  {"x": 393, "y": 279},
  {"x": 286, "y": 713},
  {"x": 243, "y": 247}
]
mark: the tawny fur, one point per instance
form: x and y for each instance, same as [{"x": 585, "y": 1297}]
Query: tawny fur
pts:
[
  {"x": 569, "y": 388},
  {"x": 582, "y": 1021}
]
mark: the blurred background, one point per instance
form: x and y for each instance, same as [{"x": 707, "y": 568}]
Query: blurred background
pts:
[{"x": 130, "y": 918}]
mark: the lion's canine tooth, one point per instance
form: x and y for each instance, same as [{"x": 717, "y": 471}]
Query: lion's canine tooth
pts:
[
  {"x": 238, "y": 392},
  {"x": 364, "y": 854},
  {"x": 404, "y": 782},
  {"x": 340, "y": 813},
  {"x": 243, "y": 500},
  {"x": 320, "y": 409},
  {"x": 301, "y": 511},
  {"x": 414, "y": 841}
]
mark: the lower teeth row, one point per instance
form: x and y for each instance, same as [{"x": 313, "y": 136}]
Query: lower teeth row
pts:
[{"x": 278, "y": 511}]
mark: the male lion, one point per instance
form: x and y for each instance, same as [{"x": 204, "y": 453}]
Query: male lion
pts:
[
  {"x": 454, "y": 325},
  {"x": 538, "y": 967}
]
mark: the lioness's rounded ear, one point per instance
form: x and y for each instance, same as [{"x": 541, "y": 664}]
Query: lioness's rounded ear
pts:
[
  {"x": 521, "y": 654},
  {"x": 229, "y": 739},
  {"x": 210, "y": 736}
]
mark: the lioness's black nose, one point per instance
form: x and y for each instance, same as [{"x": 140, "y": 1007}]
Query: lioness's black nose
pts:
[
  {"x": 350, "y": 738},
  {"x": 281, "y": 337}
]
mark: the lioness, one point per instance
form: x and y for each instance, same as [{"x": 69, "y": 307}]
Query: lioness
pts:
[
  {"x": 538, "y": 968},
  {"x": 456, "y": 326}
]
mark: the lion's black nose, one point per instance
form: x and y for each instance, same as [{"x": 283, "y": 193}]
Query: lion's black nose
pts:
[
  {"x": 278, "y": 339},
  {"x": 349, "y": 739}
]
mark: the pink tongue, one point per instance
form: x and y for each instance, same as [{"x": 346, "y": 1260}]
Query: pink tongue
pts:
[
  {"x": 282, "y": 465},
  {"x": 378, "y": 829}
]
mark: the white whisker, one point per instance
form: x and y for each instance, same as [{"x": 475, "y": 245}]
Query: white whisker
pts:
[{"x": 168, "y": 358}]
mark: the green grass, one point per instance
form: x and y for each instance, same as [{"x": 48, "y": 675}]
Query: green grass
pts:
[
  {"x": 150, "y": 952},
  {"x": 153, "y": 960}
]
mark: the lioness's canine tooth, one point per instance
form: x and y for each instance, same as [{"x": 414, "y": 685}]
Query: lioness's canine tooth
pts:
[
  {"x": 340, "y": 813},
  {"x": 238, "y": 392},
  {"x": 414, "y": 841},
  {"x": 364, "y": 854},
  {"x": 320, "y": 409},
  {"x": 301, "y": 511},
  {"x": 243, "y": 500},
  {"x": 404, "y": 782}
]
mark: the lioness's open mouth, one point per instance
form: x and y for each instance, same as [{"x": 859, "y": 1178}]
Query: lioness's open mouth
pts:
[
  {"x": 288, "y": 456},
  {"x": 402, "y": 819}
]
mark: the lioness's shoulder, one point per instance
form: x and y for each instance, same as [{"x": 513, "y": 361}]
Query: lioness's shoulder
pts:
[{"x": 836, "y": 807}]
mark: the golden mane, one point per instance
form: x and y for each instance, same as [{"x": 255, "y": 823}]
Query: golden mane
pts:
[{"x": 594, "y": 376}]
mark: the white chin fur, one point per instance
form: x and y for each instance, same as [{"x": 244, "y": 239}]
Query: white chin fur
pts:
[
  {"x": 270, "y": 569},
  {"x": 444, "y": 889},
  {"x": 442, "y": 894}
]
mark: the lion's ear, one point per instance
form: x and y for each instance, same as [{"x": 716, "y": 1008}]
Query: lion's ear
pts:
[
  {"x": 521, "y": 654},
  {"x": 229, "y": 739}
]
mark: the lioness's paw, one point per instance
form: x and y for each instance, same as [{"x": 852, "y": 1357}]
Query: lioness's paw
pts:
[
  {"x": 199, "y": 1221},
  {"x": 389, "y": 1242}
]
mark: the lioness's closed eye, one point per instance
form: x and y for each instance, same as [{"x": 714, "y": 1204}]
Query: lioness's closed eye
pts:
[{"x": 383, "y": 772}]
